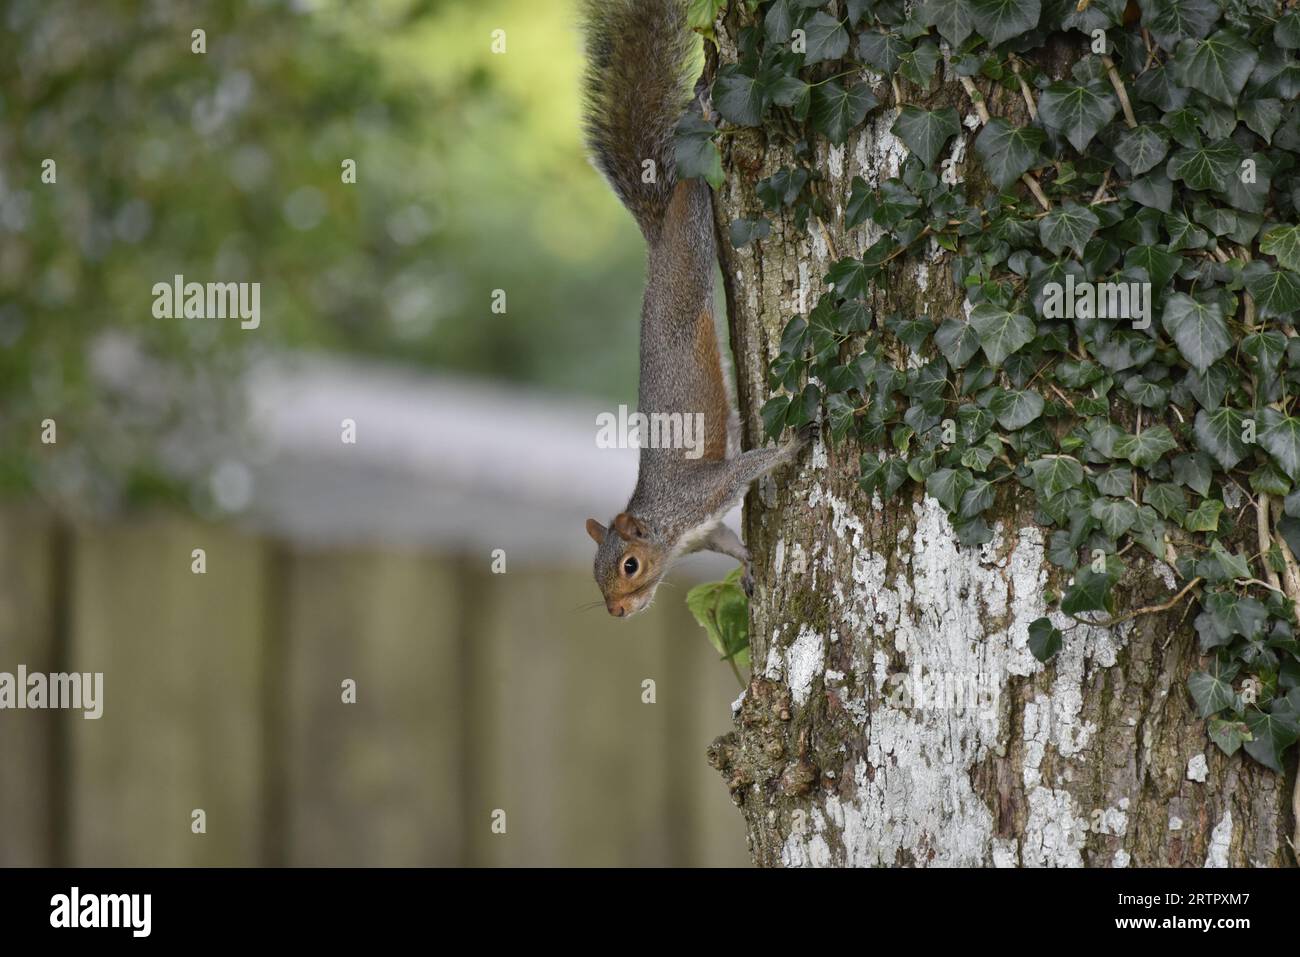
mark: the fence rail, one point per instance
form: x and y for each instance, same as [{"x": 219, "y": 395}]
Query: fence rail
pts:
[{"x": 475, "y": 692}]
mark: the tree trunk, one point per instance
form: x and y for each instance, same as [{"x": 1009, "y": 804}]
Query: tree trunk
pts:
[{"x": 896, "y": 715}]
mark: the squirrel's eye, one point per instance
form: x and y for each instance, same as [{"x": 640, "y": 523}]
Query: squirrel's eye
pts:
[{"x": 629, "y": 566}]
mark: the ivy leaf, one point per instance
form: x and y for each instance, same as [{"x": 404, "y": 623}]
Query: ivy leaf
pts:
[
  {"x": 1146, "y": 448},
  {"x": 1271, "y": 734},
  {"x": 1212, "y": 690},
  {"x": 926, "y": 131},
  {"x": 1280, "y": 436},
  {"x": 947, "y": 487},
  {"x": 745, "y": 231},
  {"x": 1166, "y": 498},
  {"x": 740, "y": 98},
  {"x": 1052, "y": 476},
  {"x": 1091, "y": 590},
  {"x": 1172, "y": 20},
  {"x": 1077, "y": 112},
  {"x": 953, "y": 18},
  {"x": 881, "y": 50},
  {"x": 957, "y": 341},
  {"x": 1283, "y": 242},
  {"x": 1219, "y": 433},
  {"x": 1209, "y": 166},
  {"x": 1198, "y": 328},
  {"x": 1000, "y": 332},
  {"x": 1228, "y": 735},
  {"x": 1205, "y": 517},
  {"x": 999, "y": 20},
  {"x": 1044, "y": 639},
  {"x": 701, "y": 14},
  {"x": 773, "y": 415},
  {"x": 826, "y": 39},
  {"x": 1069, "y": 225},
  {"x": 1007, "y": 151},
  {"x": 1160, "y": 264},
  {"x": 1276, "y": 292},
  {"x": 1016, "y": 409},
  {"x": 1286, "y": 32},
  {"x": 1141, "y": 148},
  {"x": 836, "y": 109},
  {"x": 1218, "y": 66},
  {"x": 918, "y": 64},
  {"x": 695, "y": 152},
  {"x": 1116, "y": 515},
  {"x": 850, "y": 277}
]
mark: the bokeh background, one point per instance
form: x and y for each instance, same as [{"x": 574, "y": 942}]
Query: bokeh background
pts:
[{"x": 379, "y": 561}]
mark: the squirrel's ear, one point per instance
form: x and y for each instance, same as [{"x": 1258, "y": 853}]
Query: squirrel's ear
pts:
[
  {"x": 628, "y": 527},
  {"x": 595, "y": 530}
]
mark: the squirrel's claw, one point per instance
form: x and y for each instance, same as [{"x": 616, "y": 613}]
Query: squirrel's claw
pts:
[{"x": 747, "y": 582}]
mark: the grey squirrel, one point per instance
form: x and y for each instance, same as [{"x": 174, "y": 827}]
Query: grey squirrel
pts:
[{"x": 636, "y": 88}]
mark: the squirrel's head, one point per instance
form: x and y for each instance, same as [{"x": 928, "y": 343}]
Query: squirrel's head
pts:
[{"x": 628, "y": 564}]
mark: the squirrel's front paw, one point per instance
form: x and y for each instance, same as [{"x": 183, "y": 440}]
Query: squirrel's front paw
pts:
[{"x": 747, "y": 581}]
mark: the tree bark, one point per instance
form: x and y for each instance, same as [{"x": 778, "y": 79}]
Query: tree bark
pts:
[{"x": 896, "y": 715}]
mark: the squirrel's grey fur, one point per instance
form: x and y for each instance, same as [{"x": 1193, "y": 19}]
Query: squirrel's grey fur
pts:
[{"x": 636, "y": 88}]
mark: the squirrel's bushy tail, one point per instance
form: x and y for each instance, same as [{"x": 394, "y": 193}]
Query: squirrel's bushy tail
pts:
[{"x": 636, "y": 86}]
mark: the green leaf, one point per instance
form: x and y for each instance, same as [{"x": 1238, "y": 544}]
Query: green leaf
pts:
[
  {"x": 1286, "y": 32},
  {"x": 1116, "y": 515},
  {"x": 850, "y": 277},
  {"x": 953, "y": 18},
  {"x": 1209, "y": 166},
  {"x": 701, "y": 14},
  {"x": 1276, "y": 292},
  {"x": 1280, "y": 436},
  {"x": 926, "y": 131},
  {"x": 826, "y": 39},
  {"x": 1172, "y": 20},
  {"x": 881, "y": 51},
  {"x": 836, "y": 109},
  {"x": 1016, "y": 409},
  {"x": 1077, "y": 112},
  {"x": 1044, "y": 639},
  {"x": 1052, "y": 476},
  {"x": 1198, "y": 328},
  {"x": 1007, "y": 151},
  {"x": 773, "y": 415},
  {"x": 740, "y": 98},
  {"x": 947, "y": 486},
  {"x": 1000, "y": 332},
  {"x": 745, "y": 231},
  {"x": 1219, "y": 433},
  {"x": 1212, "y": 690},
  {"x": 1283, "y": 242},
  {"x": 999, "y": 20},
  {"x": 957, "y": 341},
  {"x": 695, "y": 152},
  {"x": 1218, "y": 66},
  {"x": 917, "y": 65},
  {"x": 1068, "y": 226},
  {"x": 1229, "y": 735},
  {"x": 1166, "y": 498},
  {"x": 722, "y": 610},
  {"x": 1091, "y": 590},
  {"x": 1205, "y": 517},
  {"x": 1146, "y": 448},
  {"x": 1271, "y": 734},
  {"x": 1141, "y": 148}
]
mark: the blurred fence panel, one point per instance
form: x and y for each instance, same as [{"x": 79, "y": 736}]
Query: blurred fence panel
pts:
[
  {"x": 29, "y": 556},
  {"x": 224, "y": 691}
]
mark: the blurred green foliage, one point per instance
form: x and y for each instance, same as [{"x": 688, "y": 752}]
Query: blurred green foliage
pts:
[{"x": 226, "y": 166}]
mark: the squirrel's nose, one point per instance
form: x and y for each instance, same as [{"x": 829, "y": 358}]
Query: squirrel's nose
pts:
[{"x": 618, "y": 611}]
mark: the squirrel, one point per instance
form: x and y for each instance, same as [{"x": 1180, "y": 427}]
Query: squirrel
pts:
[{"x": 635, "y": 89}]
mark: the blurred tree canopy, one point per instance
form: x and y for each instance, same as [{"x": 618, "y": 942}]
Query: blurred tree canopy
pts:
[{"x": 226, "y": 166}]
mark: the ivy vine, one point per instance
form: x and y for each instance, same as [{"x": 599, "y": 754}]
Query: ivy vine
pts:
[{"x": 1165, "y": 160}]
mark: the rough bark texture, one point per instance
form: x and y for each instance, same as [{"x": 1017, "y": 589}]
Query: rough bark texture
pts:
[{"x": 840, "y": 755}]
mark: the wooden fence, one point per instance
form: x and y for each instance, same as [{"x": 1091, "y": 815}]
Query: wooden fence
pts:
[{"x": 475, "y": 693}]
